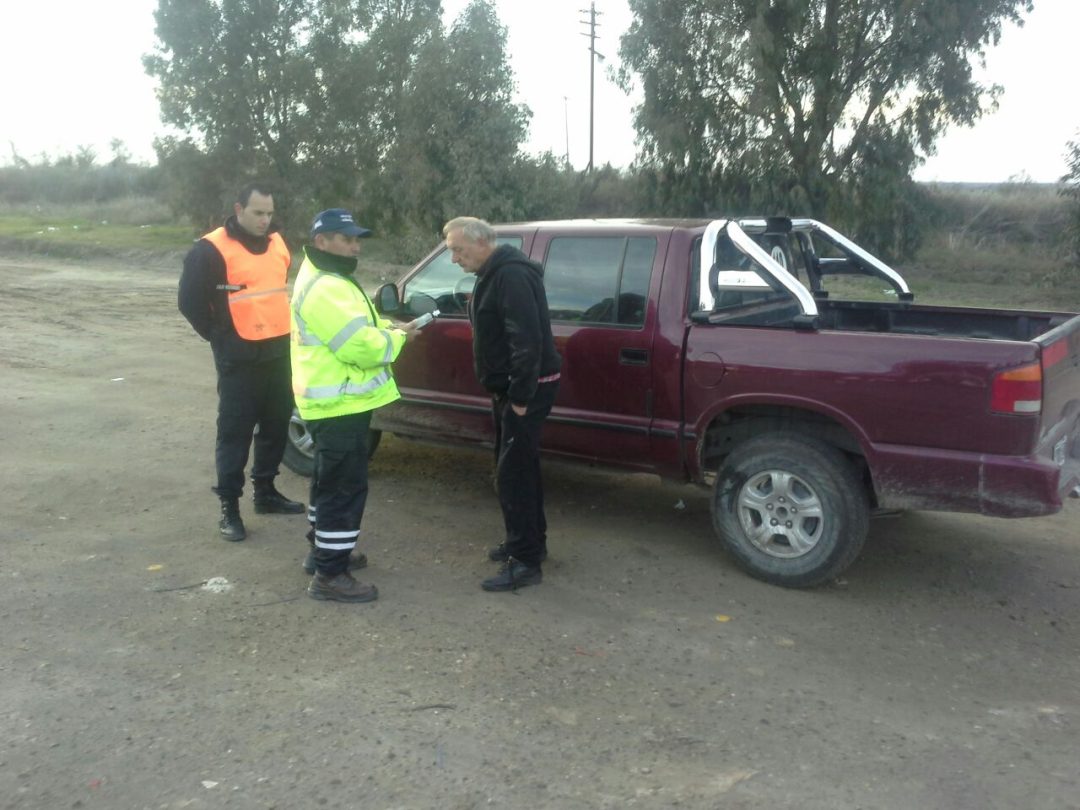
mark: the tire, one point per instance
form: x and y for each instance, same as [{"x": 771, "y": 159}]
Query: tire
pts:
[
  {"x": 300, "y": 449},
  {"x": 790, "y": 509}
]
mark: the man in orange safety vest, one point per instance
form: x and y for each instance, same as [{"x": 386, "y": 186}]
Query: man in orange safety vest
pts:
[{"x": 233, "y": 292}]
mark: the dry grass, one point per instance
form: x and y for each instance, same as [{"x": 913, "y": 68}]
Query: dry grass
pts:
[
  {"x": 996, "y": 246},
  {"x": 91, "y": 228},
  {"x": 1011, "y": 212},
  {"x": 119, "y": 211}
]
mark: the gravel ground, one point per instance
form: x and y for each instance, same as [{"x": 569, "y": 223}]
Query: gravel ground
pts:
[{"x": 147, "y": 664}]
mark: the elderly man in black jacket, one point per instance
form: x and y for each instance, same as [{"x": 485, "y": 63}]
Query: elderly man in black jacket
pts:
[{"x": 516, "y": 361}]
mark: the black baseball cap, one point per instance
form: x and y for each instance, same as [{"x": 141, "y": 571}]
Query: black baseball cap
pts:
[{"x": 337, "y": 220}]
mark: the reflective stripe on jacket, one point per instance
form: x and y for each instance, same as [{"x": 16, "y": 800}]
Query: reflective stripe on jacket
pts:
[
  {"x": 341, "y": 350},
  {"x": 258, "y": 295}
]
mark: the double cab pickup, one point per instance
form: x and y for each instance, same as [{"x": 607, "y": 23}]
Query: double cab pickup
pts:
[{"x": 747, "y": 355}]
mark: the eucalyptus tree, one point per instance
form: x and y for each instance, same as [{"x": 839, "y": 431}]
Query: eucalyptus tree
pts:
[
  {"x": 460, "y": 130},
  {"x": 237, "y": 74},
  {"x": 793, "y": 102},
  {"x": 1071, "y": 190},
  {"x": 367, "y": 103}
]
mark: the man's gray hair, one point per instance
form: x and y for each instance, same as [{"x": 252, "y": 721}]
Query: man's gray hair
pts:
[{"x": 473, "y": 229}]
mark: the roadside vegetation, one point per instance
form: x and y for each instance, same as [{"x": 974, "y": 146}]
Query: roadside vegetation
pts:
[
  {"x": 822, "y": 111},
  {"x": 1002, "y": 245},
  {"x": 101, "y": 229},
  {"x": 1006, "y": 245},
  {"x": 779, "y": 113}
]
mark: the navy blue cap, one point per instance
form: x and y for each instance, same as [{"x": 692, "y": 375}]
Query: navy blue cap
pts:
[{"x": 337, "y": 220}]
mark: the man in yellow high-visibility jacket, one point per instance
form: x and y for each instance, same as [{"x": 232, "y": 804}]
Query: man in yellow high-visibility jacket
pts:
[{"x": 341, "y": 353}]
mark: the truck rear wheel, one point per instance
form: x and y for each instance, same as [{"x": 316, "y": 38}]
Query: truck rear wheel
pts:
[
  {"x": 790, "y": 509},
  {"x": 300, "y": 449}
]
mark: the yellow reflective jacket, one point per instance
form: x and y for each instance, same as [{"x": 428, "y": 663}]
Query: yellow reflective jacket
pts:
[{"x": 341, "y": 349}]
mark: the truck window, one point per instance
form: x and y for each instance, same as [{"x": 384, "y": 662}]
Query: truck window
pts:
[
  {"x": 599, "y": 279},
  {"x": 786, "y": 252},
  {"x": 444, "y": 282},
  {"x": 740, "y": 291},
  {"x": 733, "y": 280},
  {"x": 844, "y": 280}
]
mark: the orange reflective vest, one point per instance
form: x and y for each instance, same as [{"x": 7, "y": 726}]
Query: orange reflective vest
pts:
[{"x": 258, "y": 295}]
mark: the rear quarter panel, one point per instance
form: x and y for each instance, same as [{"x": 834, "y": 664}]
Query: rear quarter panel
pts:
[{"x": 892, "y": 389}]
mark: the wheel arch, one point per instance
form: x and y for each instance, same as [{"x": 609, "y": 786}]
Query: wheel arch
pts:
[{"x": 740, "y": 421}]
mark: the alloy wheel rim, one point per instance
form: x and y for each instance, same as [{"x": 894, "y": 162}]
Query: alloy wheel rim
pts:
[{"x": 780, "y": 514}]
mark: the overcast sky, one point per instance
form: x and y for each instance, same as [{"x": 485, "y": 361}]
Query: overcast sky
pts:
[{"x": 78, "y": 80}]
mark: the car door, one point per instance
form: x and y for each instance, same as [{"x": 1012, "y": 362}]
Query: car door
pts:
[
  {"x": 441, "y": 398},
  {"x": 601, "y": 288}
]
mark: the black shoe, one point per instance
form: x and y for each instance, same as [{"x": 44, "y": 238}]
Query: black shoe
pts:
[
  {"x": 513, "y": 575},
  {"x": 341, "y": 588},
  {"x": 231, "y": 526},
  {"x": 357, "y": 560},
  {"x": 500, "y": 553},
  {"x": 268, "y": 501}
]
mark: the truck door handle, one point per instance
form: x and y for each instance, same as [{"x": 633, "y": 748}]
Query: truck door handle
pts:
[{"x": 633, "y": 357}]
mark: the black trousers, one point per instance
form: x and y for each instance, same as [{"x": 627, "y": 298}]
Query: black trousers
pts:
[
  {"x": 255, "y": 400},
  {"x": 517, "y": 473},
  {"x": 339, "y": 487}
]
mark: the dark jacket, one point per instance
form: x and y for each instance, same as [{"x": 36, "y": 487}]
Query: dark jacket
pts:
[
  {"x": 512, "y": 342},
  {"x": 207, "y": 308}
]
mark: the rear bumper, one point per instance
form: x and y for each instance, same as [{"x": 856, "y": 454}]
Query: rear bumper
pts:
[{"x": 1001, "y": 486}]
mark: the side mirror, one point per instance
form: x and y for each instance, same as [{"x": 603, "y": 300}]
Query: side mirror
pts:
[{"x": 386, "y": 299}]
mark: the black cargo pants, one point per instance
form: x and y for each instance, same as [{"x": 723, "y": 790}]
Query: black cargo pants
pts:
[
  {"x": 339, "y": 487},
  {"x": 254, "y": 400},
  {"x": 517, "y": 473}
]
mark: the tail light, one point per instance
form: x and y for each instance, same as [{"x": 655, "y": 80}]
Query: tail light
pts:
[{"x": 1018, "y": 390}]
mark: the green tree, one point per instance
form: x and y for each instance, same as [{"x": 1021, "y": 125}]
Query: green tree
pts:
[
  {"x": 1071, "y": 190},
  {"x": 366, "y": 103},
  {"x": 787, "y": 102},
  {"x": 236, "y": 75},
  {"x": 459, "y": 130},
  {"x": 120, "y": 154},
  {"x": 196, "y": 184},
  {"x": 365, "y": 55}
]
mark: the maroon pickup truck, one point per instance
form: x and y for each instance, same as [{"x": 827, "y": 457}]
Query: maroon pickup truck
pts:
[{"x": 732, "y": 353}]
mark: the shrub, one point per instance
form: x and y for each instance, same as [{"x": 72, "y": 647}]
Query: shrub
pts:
[{"x": 1071, "y": 192}]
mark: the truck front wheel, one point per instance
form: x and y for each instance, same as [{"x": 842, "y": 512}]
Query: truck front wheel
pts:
[
  {"x": 790, "y": 509},
  {"x": 300, "y": 449}
]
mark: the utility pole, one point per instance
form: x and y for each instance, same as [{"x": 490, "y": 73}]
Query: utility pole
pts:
[
  {"x": 591, "y": 22},
  {"x": 566, "y": 126}
]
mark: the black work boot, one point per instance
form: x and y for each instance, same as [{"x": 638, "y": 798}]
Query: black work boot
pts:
[
  {"x": 357, "y": 560},
  {"x": 341, "y": 588},
  {"x": 513, "y": 575},
  {"x": 230, "y": 525},
  {"x": 501, "y": 553},
  {"x": 269, "y": 501}
]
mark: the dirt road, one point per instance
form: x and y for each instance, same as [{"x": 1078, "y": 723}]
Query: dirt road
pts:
[{"x": 646, "y": 672}]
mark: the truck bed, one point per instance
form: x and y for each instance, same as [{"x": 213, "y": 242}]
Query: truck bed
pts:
[
  {"x": 859, "y": 316},
  {"x": 777, "y": 310}
]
